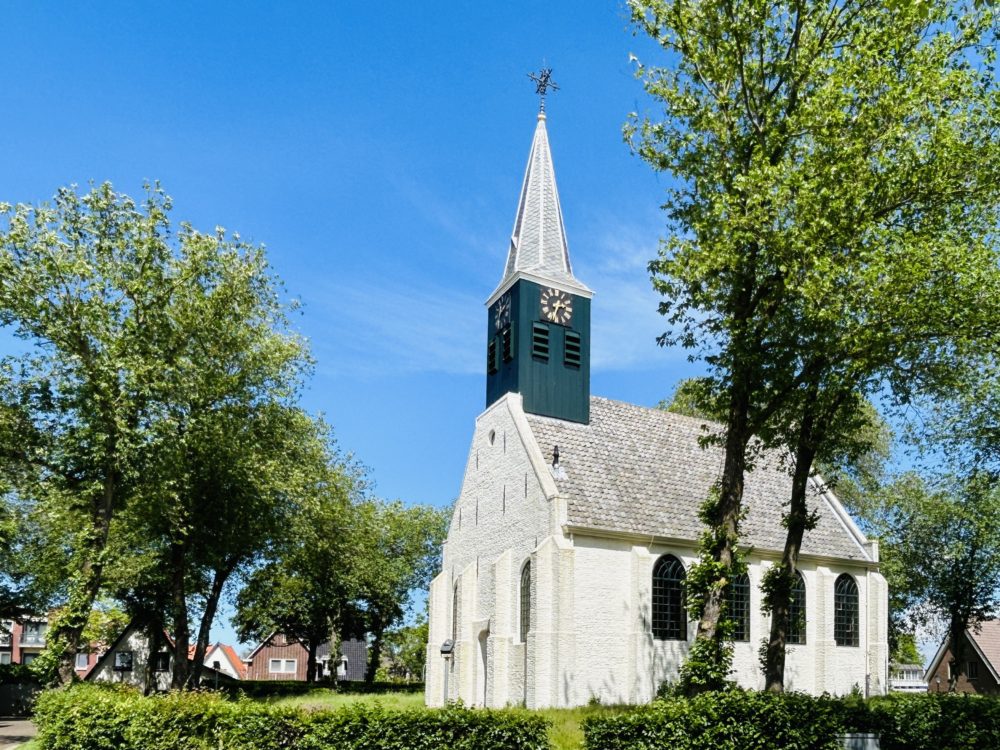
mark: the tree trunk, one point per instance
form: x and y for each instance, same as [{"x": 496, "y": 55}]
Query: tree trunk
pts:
[
  {"x": 956, "y": 636},
  {"x": 311, "y": 660},
  {"x": 66, "y": 635},
  {"x": 724, "y": 522},
  {"x": 155, "y": 635},
  {"x": 374, "y": 657},
  {"x": 798, "y": 521},
  {"x": 180, "y": 616},
  {"x": 208, "y": 616}
]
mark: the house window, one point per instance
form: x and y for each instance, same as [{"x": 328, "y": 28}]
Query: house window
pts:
[
  {"x": 162, "y": 662},
  {"x": 572, "y": 354},
  {"x": 123, "y": 661},
  {"x": 669, "y": 615},
  {"x": 82, "y": 660},
  {"x": 739, "y": 607},
  {"x": 525, "y": 601},
  {"x": 845, "y": 611},
  {"x": 28, "y": 658},
  {"x": 507, "y": 345},
  {"x": 491, "y": 357},
  {"x": 972, "y": 670},
  {"x": 540, "y": 341},
  {"x": 4, "y": 657},
  {"x": 283, "y": 666},
  {"x": 796, "y": 633}
]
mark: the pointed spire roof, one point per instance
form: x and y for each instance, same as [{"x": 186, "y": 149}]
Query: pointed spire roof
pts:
[{"x": 538, "y": 247}]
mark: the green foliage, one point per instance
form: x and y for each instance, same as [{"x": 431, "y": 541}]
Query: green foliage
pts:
[
  {"x": 694, "y": 397},
  {"x": 743, "y": 720},
  {"x": 406, "y": 648},
  {"x": 727, "y": 720},
  {"x": 16, "y": 674},
  {"x": 89, "y": 717},
  {"x": 832, "y": 228},
  {"x": 905, "y": 650}
]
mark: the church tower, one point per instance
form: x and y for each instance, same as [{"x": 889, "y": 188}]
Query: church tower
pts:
[{"x": 538, "y": 328}]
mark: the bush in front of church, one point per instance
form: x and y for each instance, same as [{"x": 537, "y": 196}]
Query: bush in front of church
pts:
[
  {"x": 102, "y": 717},
  {"x": 746, "y": 720},
  {"x": 728, "y": 720}
]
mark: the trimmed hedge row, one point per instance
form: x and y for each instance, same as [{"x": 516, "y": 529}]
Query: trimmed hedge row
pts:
[
  {"x": 747, "y": 720},
  {"x": 731, "y": 720},
  {"x": 97, "y": 717},
  {"x": 275, "y": 688}
]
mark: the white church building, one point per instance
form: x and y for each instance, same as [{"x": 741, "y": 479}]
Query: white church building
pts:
[{"x": 578, "y": 517}]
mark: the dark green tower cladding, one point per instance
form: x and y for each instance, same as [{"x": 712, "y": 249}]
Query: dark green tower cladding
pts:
[{"x": 538, "y": 327}]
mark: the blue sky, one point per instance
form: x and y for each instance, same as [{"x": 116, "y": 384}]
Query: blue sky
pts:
[{"x": 377, "y": 150}]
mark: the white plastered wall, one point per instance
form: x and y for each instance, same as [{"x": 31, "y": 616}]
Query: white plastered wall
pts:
[
  {"x": 138, "y": 643},
  {"x": 506, "y": 510}
]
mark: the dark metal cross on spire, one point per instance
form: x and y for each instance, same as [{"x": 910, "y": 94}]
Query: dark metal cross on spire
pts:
[{"x": 543, "y": 82}]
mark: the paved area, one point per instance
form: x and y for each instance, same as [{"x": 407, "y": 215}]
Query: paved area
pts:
[{"x": 14, "y": 732}]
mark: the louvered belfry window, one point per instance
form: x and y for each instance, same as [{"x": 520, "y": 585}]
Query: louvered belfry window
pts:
[
  {"x": 491, "y": 357},
  {"x": 540, "y": 341},
  {"x": 845, "y": 611},
  {"x": 739, "y": 607},
  {"x": 572, "y": 358},
  {"x": 525, "y": 601},
  {"x": 796, "y": 633},
  {"x": 669, "y": 615},
  {"x": 506, "y": 345}
]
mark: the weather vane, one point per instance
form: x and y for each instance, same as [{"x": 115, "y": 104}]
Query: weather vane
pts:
[{"x": 543, "y": 82}]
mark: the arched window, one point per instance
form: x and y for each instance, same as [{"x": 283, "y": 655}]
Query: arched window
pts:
[
  {"x": 739, "y": 607},
  {"x": 525, "y": 601},
  {"x": 796, "y": 633},
  {"x": 454, "y": 614},
  {"x": 669, "y": 616},
  {"x": 845, "y": 611}
]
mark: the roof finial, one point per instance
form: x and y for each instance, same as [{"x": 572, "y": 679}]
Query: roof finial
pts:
[{"x": 543, "y": 82}]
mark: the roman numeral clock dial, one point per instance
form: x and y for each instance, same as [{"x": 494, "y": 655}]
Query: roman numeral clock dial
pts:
[{"x": 557, "y": 306}]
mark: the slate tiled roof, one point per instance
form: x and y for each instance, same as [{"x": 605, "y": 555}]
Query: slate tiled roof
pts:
[
  {"x": 640, "y": 470},
  {"x": 538, "y": 243}
]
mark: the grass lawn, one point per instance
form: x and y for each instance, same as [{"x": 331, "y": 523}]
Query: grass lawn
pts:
[{"x": 565, "y": 732}]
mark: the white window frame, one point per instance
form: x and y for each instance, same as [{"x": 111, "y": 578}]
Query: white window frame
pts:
[
  {"x": 4, "y": 657},
  {"x": 86, "y": 661},
  {"x": 283, "y": 666}
]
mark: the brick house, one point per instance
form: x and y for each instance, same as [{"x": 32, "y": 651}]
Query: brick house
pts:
[
  {"x": 982, "y": 671},
  {"x": 278, "y": 657}
]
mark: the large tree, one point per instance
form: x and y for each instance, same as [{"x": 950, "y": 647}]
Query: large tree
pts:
[
  {"x": 942, "y": 554},
  {"x": 131, "y": 326},
  {"x": 400, "y": 553},
  {"x": 837, "y": 170}
]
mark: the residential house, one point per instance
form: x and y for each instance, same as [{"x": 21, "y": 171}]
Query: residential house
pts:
[
  {"x": 22, "y": 640},
  {"x": 982, "y": 668},
  {"x": 278, "y": 657},
  {"x": 126, "y": 662},
  {"x": 907, "y": 678}
]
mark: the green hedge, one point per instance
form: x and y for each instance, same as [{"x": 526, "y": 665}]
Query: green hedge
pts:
[
  {"x": 276, "y": 688},
  {"x": 94, "y": 717},
  {"x": 927, "y": 721},
  {"x": 758, "y": 721},
  {"x": 731, "y": 720}
]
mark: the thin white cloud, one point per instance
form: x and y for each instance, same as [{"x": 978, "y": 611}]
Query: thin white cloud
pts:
[{"x": 376, "y": 327}]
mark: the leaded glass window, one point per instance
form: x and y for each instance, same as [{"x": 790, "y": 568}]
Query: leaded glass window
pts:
[
  {"x": 669, "y": 615},
  {"x": 739, "y": 607},
  {"x": 845, "y": 611},
  {"x": 525, "y": 601},
  {"x": 796, "y": 633}
]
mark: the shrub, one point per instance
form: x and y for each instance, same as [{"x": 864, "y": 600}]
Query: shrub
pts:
[
  {"x": 728, "y": 720},
  {"x": 926, "y": 721},
  {"x": 100, "y": 717}
]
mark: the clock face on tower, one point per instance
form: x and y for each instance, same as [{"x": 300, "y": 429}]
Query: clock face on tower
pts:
[
  {"x": 501, "y": 318},
  {"x": 557, "y": 306}
]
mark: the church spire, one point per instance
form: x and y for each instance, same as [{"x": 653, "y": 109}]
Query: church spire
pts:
[{"x": 538, "y": 247}]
